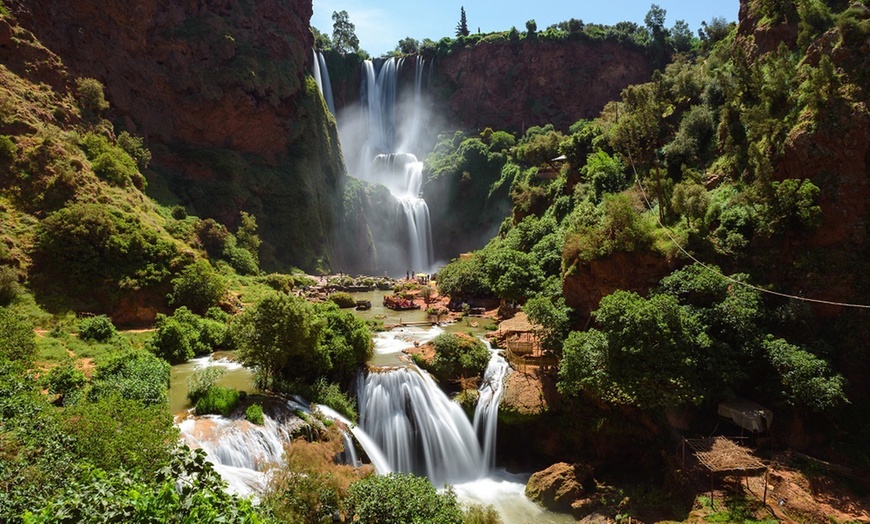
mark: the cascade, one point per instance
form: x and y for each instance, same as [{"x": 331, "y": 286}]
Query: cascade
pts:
[
  {"x": 380, "y": 141},
  {"x": 420, "y": 430},
  {"x": 321, "y": 75}
]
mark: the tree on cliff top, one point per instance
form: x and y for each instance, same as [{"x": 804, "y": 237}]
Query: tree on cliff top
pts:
[
  {"x": 462, "y": 26},
  {"x": 344, "y": 37}
]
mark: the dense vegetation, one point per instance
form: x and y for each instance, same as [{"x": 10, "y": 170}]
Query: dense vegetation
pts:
[{"x": 697, "y": 164}]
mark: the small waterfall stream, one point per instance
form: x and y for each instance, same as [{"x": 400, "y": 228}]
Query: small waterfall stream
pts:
[{"x": 321, "y": 75}]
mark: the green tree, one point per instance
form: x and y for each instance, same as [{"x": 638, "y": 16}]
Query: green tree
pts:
[
  {"x": 133, "y": 375},
  {"x": 65, "y": 378},
  {"x": 531, "y": 29},
  {"x": 458, "y": 356},
  {"x": 280, "y": 336},
  {"x": 691, "y": 200},
  {"x": 198, "y": 287},
  {"x": 400, "y": 498},
  {"x": 647, "y": 353},
  {"x": 408, "y": 46},
  {"x": 681, "y": 37},
  {"x": 90, "y": 95},
  {"x": 246, "y": 235},
  {"x": 344, "y": 39},
  {"x": 607, "y": 174},
  {"x": 17, "y": 341},
  {"x": 184, "y": 335},
  {"x": 321, "y": 40},
  {"x": 462, "y": 26},
  {"x": 135, "y": 147},
  {"x": 806, "y": 379},
  {"x": 98, "y": 328}
]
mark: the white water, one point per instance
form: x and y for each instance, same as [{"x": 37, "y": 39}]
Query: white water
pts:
[
  {"x": 422, "y": 431},
  {"x": 321, "y": 75},
  {"x": 377, "y": 144}
]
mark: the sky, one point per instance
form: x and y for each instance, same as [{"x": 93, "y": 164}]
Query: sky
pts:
[{"x": 380, "y": 24}]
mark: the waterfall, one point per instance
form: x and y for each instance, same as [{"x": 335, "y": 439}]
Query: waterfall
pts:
[
  {"x": 389, "y": 129},
  {"x": 420, "y": 430},
  {"x": 321, "y": 75}
]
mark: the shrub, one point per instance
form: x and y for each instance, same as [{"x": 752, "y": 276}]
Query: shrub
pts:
[
  {"x": 242, "y": 261},
  {"x": 113, "y": 169},
  {"x": 399, "y": 498},
  {"x": 90, "y": 95},
  {"x": 342, "y": 299},
  {"x": 198, "y": 287},
  {"x": 459, "y": 356},
  {"x": 133, "y": 375},
  {"x": 9, "y": 287},
  {"x": 64, "y": 379},
  {"x": 7, "y": 148},
  {"x": 480, "y": 514},
  {"x": 135, "y": 147},
  {"x": 178, "y": 212},
  {"x": 218, "y": 401},
  {"x": 116, "y": 432},
  {"x": 17, "y": 341},
  {"x": 98, "y": 328},
  {"x": 184, "y": 335},
  {"x": 329, "y": 394},
  {"x": 254, "y": 414},
  {"x": 202, "y": 380}
]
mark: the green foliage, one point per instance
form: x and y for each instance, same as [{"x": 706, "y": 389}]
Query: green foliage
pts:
[
  {"x": 7, "y": 148},
  {"x": 187, "y": 490},
  {"x": 288, "y": 338},
  {"x": 605, "y": 173},
  {"x": 342, "y": 299},
  {"x": 480, "y": 514},
  {"x": 806, "y": 379},
  {"x": 218, "y": 401},
  {"x": 198, "y": 287},
  {"x": 512, "y": 274},
  {"x": 539, "y": 145},
  {"x": 115, "y": 432},
  {"x": 17, "y": 340},
  {"x": 501, "y": 141},
  {"x": 691, "y": 200},
  {"x": 64, "y": 378},
  {"x": 184, "y": 335},
  {"x": 617, "y": 227},
  {"x": 344, "y": 37},
  {"x": 794, "y": 206},
  {"x": 463, "y": 278},
  {"x": 400, "y": 498},
  {"x": 247, "y": 237},
  {"x": 458, "y": 356},
  {"x": 219, "y": 243},
  {"x": 553, "y": 318},
  {"x": 98, "y": 328},
  {"x": 100, "y": 252},
  {"x": 202, "y": 380},
  {"x": 133, "y": 375},
  {"x": 330, "y": 394},
  {"x": 647, "y": 353},
  {"x": 462, "y": 26},
  {"x": 89, "y": 92},
  {"x": 254, "y": 414},
  {"x": 110, "y": 162},
  {"x": 135, "y": 147}
]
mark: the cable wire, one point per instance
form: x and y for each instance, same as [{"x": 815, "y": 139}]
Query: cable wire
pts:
[{"x": 726, "y": 277}]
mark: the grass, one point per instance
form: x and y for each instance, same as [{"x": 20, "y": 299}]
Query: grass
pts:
[
  {"x": 736, "y": 508},
  {"x": 55, "y": 346}
]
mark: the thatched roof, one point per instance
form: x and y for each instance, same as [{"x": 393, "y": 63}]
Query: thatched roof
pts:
[{"x": 718, "y": 454}]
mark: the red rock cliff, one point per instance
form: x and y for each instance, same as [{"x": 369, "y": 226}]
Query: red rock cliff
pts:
[{"x": 518, "y": 85}]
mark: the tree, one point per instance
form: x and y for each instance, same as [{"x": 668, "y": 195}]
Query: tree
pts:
[
  {"x": 462, "y": 26},
  {"x": 321, "y": 40},
  {"x": 344, "y": 39},
  {"x": 246, "y": 235},
  {"x": 408, "y": 46},
  {"x": 90, "y": 95},
  {"x": 198, "y": 287},
  {"x": 806, "y": 379},
  {"x": 17, "y": 341},
  {"x": 399, "y": 498},
  {"x": 531, "y": 29},
  {"x": 681, "y": 37},
  {"x": 655, "y": 22},
  {"x": 691, "y": 200}
]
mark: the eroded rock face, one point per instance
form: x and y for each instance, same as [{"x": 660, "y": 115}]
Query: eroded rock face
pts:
[
  {"x": 561, "y": 487},
  {"x": 517, "y": 85},
  {"x": 591, "y": 281},
  {"x": 218, "y": 90}
]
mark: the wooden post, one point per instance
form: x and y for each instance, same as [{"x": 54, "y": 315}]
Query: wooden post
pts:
[
  {"x": 712, "y": 505},
  {"x": 764, "y": 498}
]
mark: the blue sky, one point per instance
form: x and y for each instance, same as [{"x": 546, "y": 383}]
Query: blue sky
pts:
[{"x": 380, "y": 24}]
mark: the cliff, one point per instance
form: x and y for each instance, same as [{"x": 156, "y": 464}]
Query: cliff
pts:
[
  {"x": 515, "y": 85},
  {"x": 218, "y": 90}
]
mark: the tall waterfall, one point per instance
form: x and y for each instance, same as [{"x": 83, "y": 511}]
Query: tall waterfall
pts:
[
  {"x": 321, "y": 75},
  {"x": 420, "y": 430},
  {"x": 378, "y": 144}
]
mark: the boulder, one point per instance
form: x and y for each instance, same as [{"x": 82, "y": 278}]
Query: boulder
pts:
[{"x": 561, "y": 486}]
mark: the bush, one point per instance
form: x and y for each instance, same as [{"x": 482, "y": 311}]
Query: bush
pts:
[
  {"x": 342, "y": 299},
  {"x": 116, "y": 432},
  {"x": 9, "y": 287},
  {"x": 330, "y": 395},
  {"x": 202, "y": 380},
  {"x": 399, "y": 498},
  {"x": 218, "y": 401},
  {"x": 184, "y": 335},
  {"x": 178, "y": 212},
  {"x": 480, "y": 514},
  {"x": 133, "y": 375},
  {"x": 254, "y": 414},
  {"x": 7, "y": 148},
  {"x": 17, "y": 341},
  {"x": 113, "y": 169},
  {"x": 135, "y": 147},
  {"x": 90, "y": 95},
  {"x": 459, "y": 355},
  {"x": 198, "y": 287},
  {"x": 64, "y": 378},
  {"x": 98, "y": 328}
]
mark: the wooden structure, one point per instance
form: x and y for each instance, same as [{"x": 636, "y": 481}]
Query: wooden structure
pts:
[
  {"x": 719, "y": 455},
  {"x": 522, "y": 341}
]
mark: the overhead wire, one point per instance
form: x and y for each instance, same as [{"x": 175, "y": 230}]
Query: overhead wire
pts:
[{"x": 670, "y": 235}]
